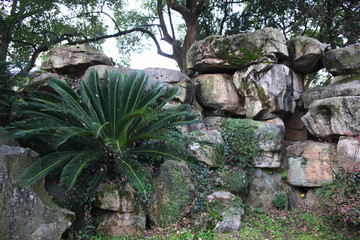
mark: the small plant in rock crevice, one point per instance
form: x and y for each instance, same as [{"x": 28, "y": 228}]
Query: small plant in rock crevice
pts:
[{"x": 280, "y": 200}]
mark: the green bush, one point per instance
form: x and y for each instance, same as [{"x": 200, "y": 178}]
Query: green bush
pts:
[{"x": 104, "y": 126}]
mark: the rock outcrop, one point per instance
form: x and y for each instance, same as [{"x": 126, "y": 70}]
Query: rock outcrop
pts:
[
  {"x": 333, "y": 116},
  {"x": 216, "y": 54},
  {"x": 305, "y": 54},
  {"x": 343, "y": 61},
  {"x": 310, "y": 163},
  {"x": 74, "y": 59},
  {"x": 217, "y": 92},
  {"x": 268, "y": 88},
  {"x": 27, "y": 214},
  {"x": 124, "y": 216}
]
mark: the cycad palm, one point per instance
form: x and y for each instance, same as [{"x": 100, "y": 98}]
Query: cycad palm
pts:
[{"x": 101, "y": 125}]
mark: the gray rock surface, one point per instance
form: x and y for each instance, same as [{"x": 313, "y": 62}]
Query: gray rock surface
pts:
[
  {"x": 310, "y": 163},
  {"x": 305, "y": 54},
  {"x": 268, "y": 88},
  {"x": 116, "y": 197},
  {"x": 74, "y": 59},
  {"x": 333, "y": 116},
  {"x": 263, "y": 188},
  {"x": 174, "y": 192},
  {"x": 217, "y": 91},
  {"x": 342, "y": 61},
  {"x": 346, "y": 89},
  {"x": 166, "y": 76},
  {"x": 27, "y": 214},
  {"x": 216, "y": 54},
  {"x": 124, "y": 224},
  {"x": 348, "y": 148},
  {"x": 271, "y": 135}
]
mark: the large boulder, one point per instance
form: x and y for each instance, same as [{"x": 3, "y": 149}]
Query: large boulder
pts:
[
  {"x": 217, "y": 54},
  {"x": 268, "y": 88},
  {"x": 263, "y": 188},
  {"x": 305, "y": 54},
  {"x": 217, "y": 91},
  {"x": 348, "y": 148},
  {"x": 74, "y": 59},
  {"x": 333, "y": 116},
  {"x": 174, "y": 191},
  {"x": 166, "y": 76},
  {"x": 27, "y": 214},
  {"x": 342, "y": 61},
  {"x": 309, "y": 163},
  {"x": 346, "y": 89}
]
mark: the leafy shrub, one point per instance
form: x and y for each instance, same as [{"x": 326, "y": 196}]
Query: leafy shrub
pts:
[
  {"x": 340, "y": 200},
  {"x": 105, "y": 126}
]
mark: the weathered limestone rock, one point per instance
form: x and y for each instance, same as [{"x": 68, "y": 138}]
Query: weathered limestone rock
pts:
[
  {"x": 174, "y": 78},
  {"x": 343, "y": 61},
  {"x": 348, "y": 148},
  {"x": 214, "y": 122},
  {"x": 309, "y": 163},
  {"x": 174, "y": 191},
  {"x": 222, "y": 196},
  {"x": 166, "y": 76},
  {"x": 116, "y": 197},
  {"x": 74, "y": 59},
  {"x": 295, "y": 128},
  {"x": 204, "y": 146},
  {"x": 115, "y": 223},
  {"x": 263, "y": 188},
  {"x": 217, "y": 91},
  {"x": 271, "y": 135},
  {"x": 305, "y": 54},
  {"x": 37, "y": 81},
  {"x": 27, "y": 214},
  {"x": 340, "y": 90},
  {"x": 333, "y": 116},
  {"x": 217, "y": 54},
  {"x": 268, "y": 88},
  {"x": 231, "y": 220}
]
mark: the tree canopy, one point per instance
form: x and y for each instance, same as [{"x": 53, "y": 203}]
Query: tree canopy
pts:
[{"x": 28, "y": 27}]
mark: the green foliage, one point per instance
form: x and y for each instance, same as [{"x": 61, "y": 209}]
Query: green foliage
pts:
[
  {"x": 234, "y": 180},
  {"x": 104, "y": 126},
  {"x": 280, "y": 200},
  {"x": 339, "y": 201},
  {"x": 240, "y": 142},
  {"x": 204, "y": 187}
]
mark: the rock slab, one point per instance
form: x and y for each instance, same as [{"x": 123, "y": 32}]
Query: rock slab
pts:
[
  {"x": 27, "y": 214},
  {"x": 218, "y": 54},
  {"x": 310, "y": 163}
]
